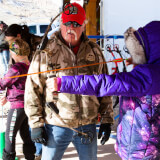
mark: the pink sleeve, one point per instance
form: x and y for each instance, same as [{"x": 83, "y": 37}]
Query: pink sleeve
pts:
[{"x": 58, "y": 83}]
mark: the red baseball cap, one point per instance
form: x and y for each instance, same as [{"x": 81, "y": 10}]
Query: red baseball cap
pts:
[{"x": 75, "y": 12}]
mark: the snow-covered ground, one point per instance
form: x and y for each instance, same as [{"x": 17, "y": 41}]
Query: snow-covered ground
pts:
[{"x": 29, "y": 11}]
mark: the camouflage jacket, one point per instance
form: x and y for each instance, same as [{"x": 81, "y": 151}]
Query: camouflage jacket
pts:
[{"x": 74, "y": 110}]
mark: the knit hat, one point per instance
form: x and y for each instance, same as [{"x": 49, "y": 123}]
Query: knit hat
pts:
[
  {"x": 19, "y": 47},
  {"x": 74, "y": 13}
]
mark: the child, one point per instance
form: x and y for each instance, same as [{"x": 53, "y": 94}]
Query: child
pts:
[
  {"x": 18, "y": 31},
  {"x": 139, "y": 90},
  {"x": 22, "y": 32},
  {"x": 17, "y": 119}
]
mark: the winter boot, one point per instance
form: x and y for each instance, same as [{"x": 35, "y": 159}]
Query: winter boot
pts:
[{"x": 8, "y": 156}]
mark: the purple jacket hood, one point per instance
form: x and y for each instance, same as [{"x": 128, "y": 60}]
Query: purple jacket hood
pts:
[{"x": 149, "y": 38}]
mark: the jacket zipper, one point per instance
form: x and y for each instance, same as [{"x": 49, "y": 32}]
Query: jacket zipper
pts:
[
  {"x": 75, "y": 63},
  {"x": 78, "y": 99},
  {"x": 75, "y": 60}
]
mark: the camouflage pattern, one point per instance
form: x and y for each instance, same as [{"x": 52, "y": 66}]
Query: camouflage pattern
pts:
[{"x": 75, "y": 110}]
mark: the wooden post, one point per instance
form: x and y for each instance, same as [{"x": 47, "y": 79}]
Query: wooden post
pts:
[{"x": 91, "y": 27}]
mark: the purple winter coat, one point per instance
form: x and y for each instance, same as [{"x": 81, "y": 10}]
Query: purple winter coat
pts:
[
  {"x": 15, "y": 86},
  {"x": 138, "y": 132}
]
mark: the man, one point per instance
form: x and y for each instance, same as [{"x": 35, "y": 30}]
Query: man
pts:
[
  {"x": 4, "y": 50},
  {"x": 68, "y": 47}
]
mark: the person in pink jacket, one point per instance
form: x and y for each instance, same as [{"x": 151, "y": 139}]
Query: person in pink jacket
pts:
[{"x": 17, "y": 119}]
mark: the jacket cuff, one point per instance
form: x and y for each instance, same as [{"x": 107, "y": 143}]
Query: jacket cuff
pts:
[{"x": 58, "y": 83}]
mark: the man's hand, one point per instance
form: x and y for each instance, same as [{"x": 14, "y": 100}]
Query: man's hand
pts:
[
  {"x": 52, "y": 84},
  {"x": 3, "y": 101},
  {"x": 104, "y": 132},
  {"x": 38, "y": 135}
]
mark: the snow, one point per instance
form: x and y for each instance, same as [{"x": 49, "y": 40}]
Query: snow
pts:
[{"x": 29, "y": 11}]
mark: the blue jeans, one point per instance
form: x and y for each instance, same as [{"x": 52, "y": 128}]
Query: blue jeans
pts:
[
  {"x": 38, "y": 149},
  {"x": 4, "y": 59},
  {"x": 59, "y": 138}
]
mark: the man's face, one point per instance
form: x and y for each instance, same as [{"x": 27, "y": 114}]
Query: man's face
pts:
[{"x": 72, "y": 34}]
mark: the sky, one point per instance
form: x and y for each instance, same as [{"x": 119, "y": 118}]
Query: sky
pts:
[{"x": 28, "y": 11}]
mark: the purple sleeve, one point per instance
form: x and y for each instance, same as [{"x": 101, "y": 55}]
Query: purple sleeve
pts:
[
  {"x": 141, "y": 81},
  {"x": 7, "y": 81}
]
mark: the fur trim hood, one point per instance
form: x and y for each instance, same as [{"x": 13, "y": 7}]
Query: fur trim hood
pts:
[
  {"x": 134, "y": 47},
  {"x": 143, "y": 44}
]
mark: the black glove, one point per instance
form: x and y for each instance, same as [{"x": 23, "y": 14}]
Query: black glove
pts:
[
  {"x": 38, "y": 135},
  {"x": 106, "y": 128}
]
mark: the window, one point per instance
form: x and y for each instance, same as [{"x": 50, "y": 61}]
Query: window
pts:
[
  {"x": 38, "y": 29},
  {"x": 32, "y": 29},
  {"x": 43, "y": 28}
]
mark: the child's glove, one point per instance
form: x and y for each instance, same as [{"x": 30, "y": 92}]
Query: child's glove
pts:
[
  {"x": 106, "y": 128},
  {"x": 38, "y": 135}
]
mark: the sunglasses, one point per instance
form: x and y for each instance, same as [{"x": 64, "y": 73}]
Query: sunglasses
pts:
[{"x": 75, "y": 24}]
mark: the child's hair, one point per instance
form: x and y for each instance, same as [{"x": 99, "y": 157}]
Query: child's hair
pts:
[
  {"x": 15, "y": 29},
  {"x": 19, "y": 47}
]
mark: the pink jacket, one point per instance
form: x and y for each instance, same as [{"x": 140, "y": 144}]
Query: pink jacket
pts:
[{"x": 15, "y": 86}]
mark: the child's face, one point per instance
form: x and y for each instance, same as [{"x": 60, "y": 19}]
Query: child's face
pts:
[
  {"x": 13, "y": 55},
  {"x": 9, "y": 38}
]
